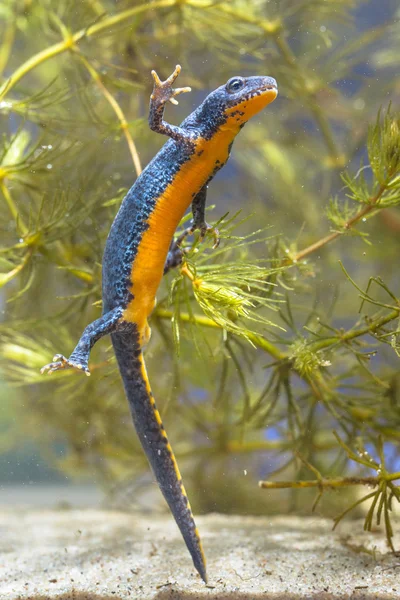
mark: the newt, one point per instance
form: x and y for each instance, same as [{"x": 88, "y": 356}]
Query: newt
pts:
[{"x": 140, "y": 249}]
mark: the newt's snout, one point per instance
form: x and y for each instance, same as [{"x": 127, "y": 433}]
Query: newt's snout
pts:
[
  {"x": 269, "y": 87},
  {"x": 270, "y": 83}
]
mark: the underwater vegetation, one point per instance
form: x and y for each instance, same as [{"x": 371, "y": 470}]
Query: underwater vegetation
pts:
[{"x": 274, "y": 357}]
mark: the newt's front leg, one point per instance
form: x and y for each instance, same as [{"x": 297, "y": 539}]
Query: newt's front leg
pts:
[
  {"x": 79, "y": 359},
  {"x": 199, "y": 217},
  {"x": 163, "y": 92}
]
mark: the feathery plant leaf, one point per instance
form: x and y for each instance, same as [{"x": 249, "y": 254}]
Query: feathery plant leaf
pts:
[{"x": 233, "y": 287}]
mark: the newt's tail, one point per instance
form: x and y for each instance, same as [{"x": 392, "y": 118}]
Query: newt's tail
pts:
[{"x": 154, "y": 440}]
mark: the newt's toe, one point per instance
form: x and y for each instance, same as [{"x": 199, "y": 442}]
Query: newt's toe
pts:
[
  {"x": 163, "y": 91},
  {"x": 60, "y": 362}
]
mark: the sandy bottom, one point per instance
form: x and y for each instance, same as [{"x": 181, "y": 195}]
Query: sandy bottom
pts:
[{"x": 108, "y": 555}]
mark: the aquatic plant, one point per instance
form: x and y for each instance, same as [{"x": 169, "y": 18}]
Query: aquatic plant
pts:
[{"x": 275, "y": 355}]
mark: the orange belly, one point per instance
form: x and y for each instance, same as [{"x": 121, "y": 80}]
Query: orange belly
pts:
[{"x": 148, "y": 266}]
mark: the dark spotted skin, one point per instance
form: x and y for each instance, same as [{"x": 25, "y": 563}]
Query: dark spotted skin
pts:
[
  {"x": 132, "y": 221},
  {"x": 154, "y": 439},
  {"x": 140, "y": 249}
]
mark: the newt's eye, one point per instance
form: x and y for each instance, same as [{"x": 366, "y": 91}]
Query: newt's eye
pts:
[{"x": 235, "y": 84}]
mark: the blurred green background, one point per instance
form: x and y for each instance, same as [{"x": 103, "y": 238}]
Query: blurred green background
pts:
[{"x": 258, "y": 395}]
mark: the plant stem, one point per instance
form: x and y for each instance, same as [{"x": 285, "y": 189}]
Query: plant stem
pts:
[
  {"x": 370, "y": 206},
  {"x": 97, "y": 7},
  {"x": 285, "y": 50},
  {"x": 319, "y": 483},
  {"x": 57, "y": 257},
  {"x": 351, "y": 335},
  {"x": 337, "y": 159},
  {"x": 257, "y": 340},
  {"x": 12, "y": 207},
  {"x": 118, "y": 111},
  {"x": 74, "y": 39},
  {"x": 264, "y": 344},
  {"x": 235, "y": 446},
  {"x": 163, "y": 313},
  {"x": 6, "y": 277},
  {"x": 8, "y": 41}
]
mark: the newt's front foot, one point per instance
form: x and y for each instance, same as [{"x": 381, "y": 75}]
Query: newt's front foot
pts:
[
  {"x": 60, "y": 362},
  {"x": 205, "y": 228},
  {"x": 163, "y": 91}
]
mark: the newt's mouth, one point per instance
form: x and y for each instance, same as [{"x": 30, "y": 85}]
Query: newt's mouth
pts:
[
  {"x": 254, "y": 101},
  {"x": 268, "y": 88}
]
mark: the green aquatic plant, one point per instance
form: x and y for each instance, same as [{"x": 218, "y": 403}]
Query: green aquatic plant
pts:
[{"x": 290, "y": 329}]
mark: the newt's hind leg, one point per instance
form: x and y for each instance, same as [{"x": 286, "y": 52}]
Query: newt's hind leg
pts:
[{"x": 79, "y": 359}]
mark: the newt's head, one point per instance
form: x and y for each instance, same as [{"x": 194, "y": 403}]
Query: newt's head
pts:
[{"x": 234, "y": 103}]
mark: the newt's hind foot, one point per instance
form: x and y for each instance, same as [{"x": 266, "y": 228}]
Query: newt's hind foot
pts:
[
  {"x": 163, "y": 91},
  {"x": 60, "y": 362}
]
